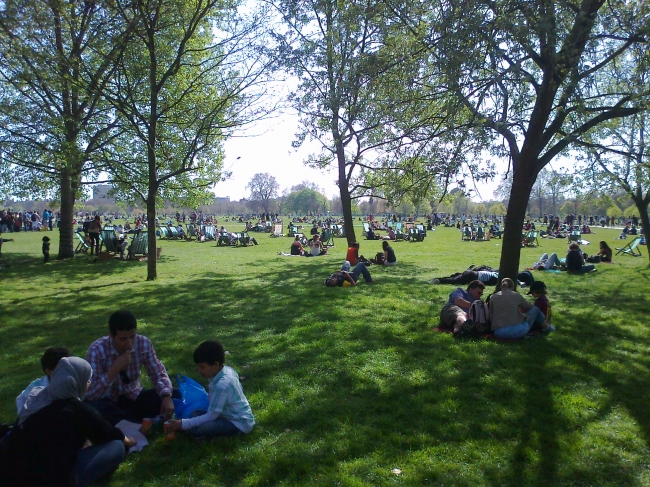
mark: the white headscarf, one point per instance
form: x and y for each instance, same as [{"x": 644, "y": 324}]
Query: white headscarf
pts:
[{"x": 68, "y": 381}]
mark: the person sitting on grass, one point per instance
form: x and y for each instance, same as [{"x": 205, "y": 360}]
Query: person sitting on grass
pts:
[
  {"x": 316, "y": 247},
  {"x": 538, "y": 290},
  {"x": 455, "y": 312},
  {"x": 296, "y": 248},
  {"x": 389, "y": 254},
  {"x": 575, "y": 260},
  {"x": 506, "y": 317},
  {"x": 345, "y": 278},
  {"x": 117, "y": 361},
  {"x": 229, "y": 412},
  {"x": 49, "y": 361},
  {"x": 604, "y": 254},
  {"x": 47, "y": 446}
]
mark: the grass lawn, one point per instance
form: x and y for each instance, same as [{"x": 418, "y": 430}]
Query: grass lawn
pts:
[{"x": 349, "y": 384}]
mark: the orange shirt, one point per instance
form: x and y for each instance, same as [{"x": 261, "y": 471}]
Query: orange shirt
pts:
[{"x": 353, "y": 255}]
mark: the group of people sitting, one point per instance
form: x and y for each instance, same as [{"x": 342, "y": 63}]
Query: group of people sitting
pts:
[
  {"x": 66, "y": 430},
  {"x": 575, "y": 260},
  {"x": 349, "y": 276},
  {"x": 309, "y": 248},
  {"x": 509, "y": 314}
]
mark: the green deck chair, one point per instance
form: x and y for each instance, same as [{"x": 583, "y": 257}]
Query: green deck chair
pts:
[
  {"x": 530, "y": 239},
  {"x": 328, "y": 238},
  {"x": 466, "y": 234},
  {"x": 139, "y": 244},
  {"x": 109, "y": 239},
  {"x": 210, "y": 232}
]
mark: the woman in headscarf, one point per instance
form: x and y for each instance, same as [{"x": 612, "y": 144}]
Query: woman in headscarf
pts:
[{"x": 46, "y": 446}]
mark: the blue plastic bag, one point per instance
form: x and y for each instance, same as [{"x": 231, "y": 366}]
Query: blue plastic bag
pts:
[{"x": 193, "y": 397}]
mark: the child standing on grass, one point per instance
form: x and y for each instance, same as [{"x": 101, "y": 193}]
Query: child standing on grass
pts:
[
  {"x": 46, "y": 249},
  {"x": 228, "y": 412}
]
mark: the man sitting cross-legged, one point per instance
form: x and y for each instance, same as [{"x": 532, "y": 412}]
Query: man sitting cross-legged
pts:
[
  {"x": 117, "y": 359},
  {"x": 454, "y": 313}
]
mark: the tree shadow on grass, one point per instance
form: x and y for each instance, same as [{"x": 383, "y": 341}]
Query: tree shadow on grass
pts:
[{"x": 337, "y": 402}]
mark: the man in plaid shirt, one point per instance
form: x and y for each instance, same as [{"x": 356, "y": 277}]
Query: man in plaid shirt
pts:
[{"x": 115, "y": 389}]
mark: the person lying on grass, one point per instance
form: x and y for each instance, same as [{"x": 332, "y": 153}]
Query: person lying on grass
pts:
[
  {"x": 455, "y": 312},
  {"x": 345, "y": 278},
  {"x": 228, "y": 413},
  {"x": 506, "y": 316}
]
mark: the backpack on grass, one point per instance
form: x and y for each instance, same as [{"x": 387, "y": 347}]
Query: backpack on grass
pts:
[{"x": 479, "y": 319}]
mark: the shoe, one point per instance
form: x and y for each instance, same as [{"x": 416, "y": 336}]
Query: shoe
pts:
[
  {"x": 549, "y": 329},
  {"x": 435, "y": 281}
]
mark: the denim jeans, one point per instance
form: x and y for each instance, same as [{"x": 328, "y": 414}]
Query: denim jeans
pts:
[
  {"x": 520, "y": 330},
  {"x": 550, "y": 261},
  {"x": 218, "y": 427},
  {"x": 359, "y": 269},
  {"x": 96, "y": 461}
]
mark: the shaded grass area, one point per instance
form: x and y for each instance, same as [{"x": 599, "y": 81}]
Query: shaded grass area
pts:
[{"x": 349, "y": 384}]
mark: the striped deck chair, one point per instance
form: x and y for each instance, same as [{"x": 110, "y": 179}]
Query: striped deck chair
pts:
[
  {"x": 631, "y": 248},
  {"x": 82, "y": 245},
  {"x": 139, "y": 244}
]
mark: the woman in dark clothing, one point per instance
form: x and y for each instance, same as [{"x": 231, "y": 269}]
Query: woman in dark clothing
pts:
[
  {"x": 94, "y": 229},
  {"x": 604, "y": 255},
  {"x": 46, "y": 446},
  {"x": 575, "y": 260},
  {"x": 389, "y": 254}
]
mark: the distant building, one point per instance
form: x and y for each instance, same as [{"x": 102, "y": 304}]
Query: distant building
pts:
[
  {"x": 224, "y": 199},
  {"x": 101, "y": 191}
]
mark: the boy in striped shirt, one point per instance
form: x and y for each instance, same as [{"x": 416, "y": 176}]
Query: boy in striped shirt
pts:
[{"x": 228, "y": 412}]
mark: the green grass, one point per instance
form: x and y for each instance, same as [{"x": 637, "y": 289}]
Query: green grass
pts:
[{"x": 348, "y": 384}]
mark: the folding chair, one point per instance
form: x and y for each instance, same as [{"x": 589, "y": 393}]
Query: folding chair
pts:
[
  {"x": 466, "y": 234},
  {"x": 328, "y": 238},
  {"x": 82, "y": 245},
  {"x": 109, "y": 239},
  {"x": 530, "y": 239},
  {"x": 139, "y": 244},
  {"x": 631, "y": 248},
  {"x": 210, "y": 232},
  {"x": 480, "y": 234},
  {"x": 574, "y": 236}
]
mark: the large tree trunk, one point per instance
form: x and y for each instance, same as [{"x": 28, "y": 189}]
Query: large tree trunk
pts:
[
  {"x": 152, "y": 272},
  {"x": 346, "y": 200},
  {"x": 522, "y": 183},
  {"x": 69, "y": 185}
]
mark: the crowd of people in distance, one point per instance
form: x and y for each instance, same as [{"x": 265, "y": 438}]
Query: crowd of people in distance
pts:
[
  {"x": 67, "y": 431},
  {"x": 27, "y": 221}
]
